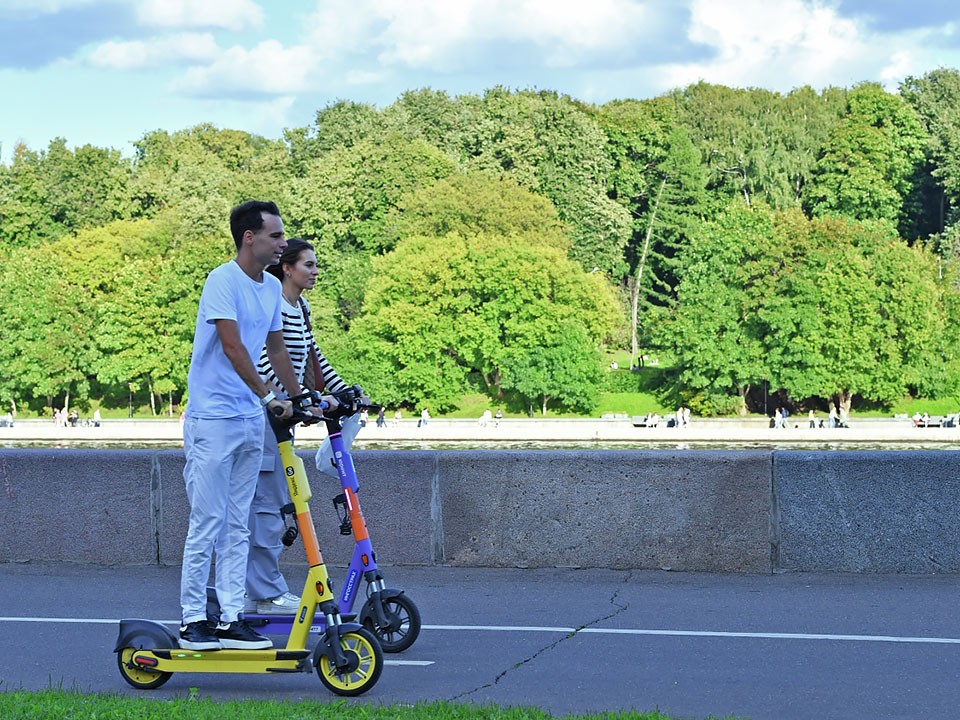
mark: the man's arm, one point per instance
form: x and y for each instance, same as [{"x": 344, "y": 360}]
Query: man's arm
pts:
[{"x": 233, "y": 348}]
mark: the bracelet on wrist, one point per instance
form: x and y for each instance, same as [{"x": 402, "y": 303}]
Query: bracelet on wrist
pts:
[{"x": 268, "y": 398}]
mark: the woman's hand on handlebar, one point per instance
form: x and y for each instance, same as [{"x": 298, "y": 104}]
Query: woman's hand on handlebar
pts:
[
  {"x": 280, "y": 408},
  {"x": 331, "y": 402}
]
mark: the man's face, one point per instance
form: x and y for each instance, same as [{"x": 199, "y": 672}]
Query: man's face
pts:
[{"x": 268, "y": 242}]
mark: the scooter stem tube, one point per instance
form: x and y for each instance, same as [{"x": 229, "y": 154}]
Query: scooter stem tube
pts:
[
  {"x": 356, "y": 515},
  {"x": 318, "y": 589},
  {"x": 299, "y": 487}
]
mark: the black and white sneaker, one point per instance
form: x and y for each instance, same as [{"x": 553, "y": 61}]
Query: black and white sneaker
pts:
[
  {"x": 240, "y": 636},
  {"x": 200, "y": 635}
]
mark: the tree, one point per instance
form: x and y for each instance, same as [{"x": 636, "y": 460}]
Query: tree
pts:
[
  {"x": 24, "y": 218},
  {"x": 869, "y": 159},
  {"x": 868, "y": 315},
  {"x": 52, "y": 348},
  {"x": 550, "y": 145},
  {"x": 935, "y": 98},
  {"x": 827, "y": 308},
  {"x": 146, "y": 329},
  {"x": 757, "y": 144},
  {"x": 659, "y": 178},
  {"x": 714, "y": 332},
  {"x": 475, "y": 203},
  {"x": 46, "y": 195},
  {"x": 200, "y": 173},
  {"x": 440, "y": 309},
  {"x": 344, "y": 197}
]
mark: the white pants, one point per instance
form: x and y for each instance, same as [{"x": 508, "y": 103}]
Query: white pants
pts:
[
  {"x": 264, "y": 579},
  {"x": 223, "y": 460}
]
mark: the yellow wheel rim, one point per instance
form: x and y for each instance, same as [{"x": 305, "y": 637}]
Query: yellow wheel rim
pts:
[
  {"x": 360, "y": 678},
  {"x": 136, "y": 676}
]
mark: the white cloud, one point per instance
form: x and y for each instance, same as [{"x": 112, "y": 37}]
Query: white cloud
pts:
[
  {"x": 775, "y": 45},
  {"x": 267, "y": 69},
  {"x": 443, "y": 36},
  {"x": 157, "y": 52},
  {"x": 227, "y": 14}
]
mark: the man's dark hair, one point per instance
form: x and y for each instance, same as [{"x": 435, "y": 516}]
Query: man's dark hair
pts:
[{"x": 247, "y": 216}]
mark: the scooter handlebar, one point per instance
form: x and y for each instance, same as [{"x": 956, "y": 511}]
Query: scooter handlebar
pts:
[{"x": 353, "y": 400}]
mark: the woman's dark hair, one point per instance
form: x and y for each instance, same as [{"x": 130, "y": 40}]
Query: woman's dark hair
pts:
[{"x": 290, "y": 255}]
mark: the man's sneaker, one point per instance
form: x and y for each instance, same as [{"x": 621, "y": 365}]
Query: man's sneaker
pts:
[
  {"x": 240, "y": 636},
  {"x": 200, "y": 635},
  {"x": 286, "y": 604}
]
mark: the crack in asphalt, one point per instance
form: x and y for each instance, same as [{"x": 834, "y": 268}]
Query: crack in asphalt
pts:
[{"x": 546, "y": 648}]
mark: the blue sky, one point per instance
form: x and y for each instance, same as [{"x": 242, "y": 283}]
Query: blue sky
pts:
[{"x": 105, "y": 72}]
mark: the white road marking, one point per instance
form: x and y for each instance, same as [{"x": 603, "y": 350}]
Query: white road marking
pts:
[
  {"x": 704, "y": 633},
  {"x": 587, "y": 630}
]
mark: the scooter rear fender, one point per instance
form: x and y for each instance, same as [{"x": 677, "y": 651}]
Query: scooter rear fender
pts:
[{"x": 145, "y": 635}]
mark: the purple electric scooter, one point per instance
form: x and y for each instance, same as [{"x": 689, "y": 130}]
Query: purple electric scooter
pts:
[{"x": 388, "y": 613}]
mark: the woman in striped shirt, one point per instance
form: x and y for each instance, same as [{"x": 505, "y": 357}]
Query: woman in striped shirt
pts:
[{"x": 267, "y": 590}]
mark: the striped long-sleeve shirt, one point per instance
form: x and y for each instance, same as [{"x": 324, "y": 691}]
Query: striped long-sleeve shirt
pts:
[{"x": 298, "y": 340}]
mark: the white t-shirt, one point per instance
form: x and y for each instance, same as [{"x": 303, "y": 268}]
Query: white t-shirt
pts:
[{"x": 215, "y": 390}]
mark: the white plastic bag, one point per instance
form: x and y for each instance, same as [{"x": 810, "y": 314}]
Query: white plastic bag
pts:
[{"x": 349, "y": 427}]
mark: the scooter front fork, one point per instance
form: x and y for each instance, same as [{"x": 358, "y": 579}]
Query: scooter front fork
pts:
[
  {"x": 375, "y": 588},
  {"x": 331, "y": 635}
]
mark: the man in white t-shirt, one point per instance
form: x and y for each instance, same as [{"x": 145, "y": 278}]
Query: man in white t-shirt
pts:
[{"x": 223, "y": 428}]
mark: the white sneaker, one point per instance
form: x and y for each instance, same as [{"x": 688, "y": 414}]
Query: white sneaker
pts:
[{"x": 286, "y": 604}]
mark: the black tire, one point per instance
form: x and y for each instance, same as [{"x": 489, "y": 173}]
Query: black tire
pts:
[{"x": 403, "y": 623}]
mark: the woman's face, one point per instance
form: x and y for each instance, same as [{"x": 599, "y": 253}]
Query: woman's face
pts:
[{"x": 302, "y": 275}]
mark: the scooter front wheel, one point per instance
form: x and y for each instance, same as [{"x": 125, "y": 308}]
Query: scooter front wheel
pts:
[
  {"x": 403, "y": 623},
  {"x": 139, "y": 677},
  {"x": 365, "y": 663}
]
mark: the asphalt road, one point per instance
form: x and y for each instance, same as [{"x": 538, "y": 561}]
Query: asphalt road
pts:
[{"x": 568, "y": 641}]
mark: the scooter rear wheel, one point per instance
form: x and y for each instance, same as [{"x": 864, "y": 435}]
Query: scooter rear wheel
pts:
[
  {"x": 366, "y": 663},
  {"x": 140, "y": 678},
  {"x": 403, "y": 626}
]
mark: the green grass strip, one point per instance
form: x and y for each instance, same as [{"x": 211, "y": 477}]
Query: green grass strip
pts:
[{"x": 69, "y": 705}]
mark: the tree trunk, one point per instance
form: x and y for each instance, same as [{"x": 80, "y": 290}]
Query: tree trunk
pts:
[
  {"x": 546, "y": 399},
  {"x": 13, "y": 407},
  {"x": 170, "y": 404},
  {"x": 153, "y": 401},
  {"x": 66, "y": 402},
  {"x": 743, "y": 391},
  {"x": 844, "y": 398},
  {"x": 635, "y": 290}
]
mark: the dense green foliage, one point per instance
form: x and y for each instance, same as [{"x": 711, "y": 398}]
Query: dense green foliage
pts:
[{"x": 801, "y": 245}]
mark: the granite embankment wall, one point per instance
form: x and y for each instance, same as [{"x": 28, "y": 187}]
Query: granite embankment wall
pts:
[{"x": 754, "y": 511}]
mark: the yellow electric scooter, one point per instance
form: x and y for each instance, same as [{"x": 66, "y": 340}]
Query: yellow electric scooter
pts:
[{"x": 348, "y": 657}]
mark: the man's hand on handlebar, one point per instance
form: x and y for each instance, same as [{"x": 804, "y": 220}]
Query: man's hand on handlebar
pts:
[{"x": 280, "y": 408}]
